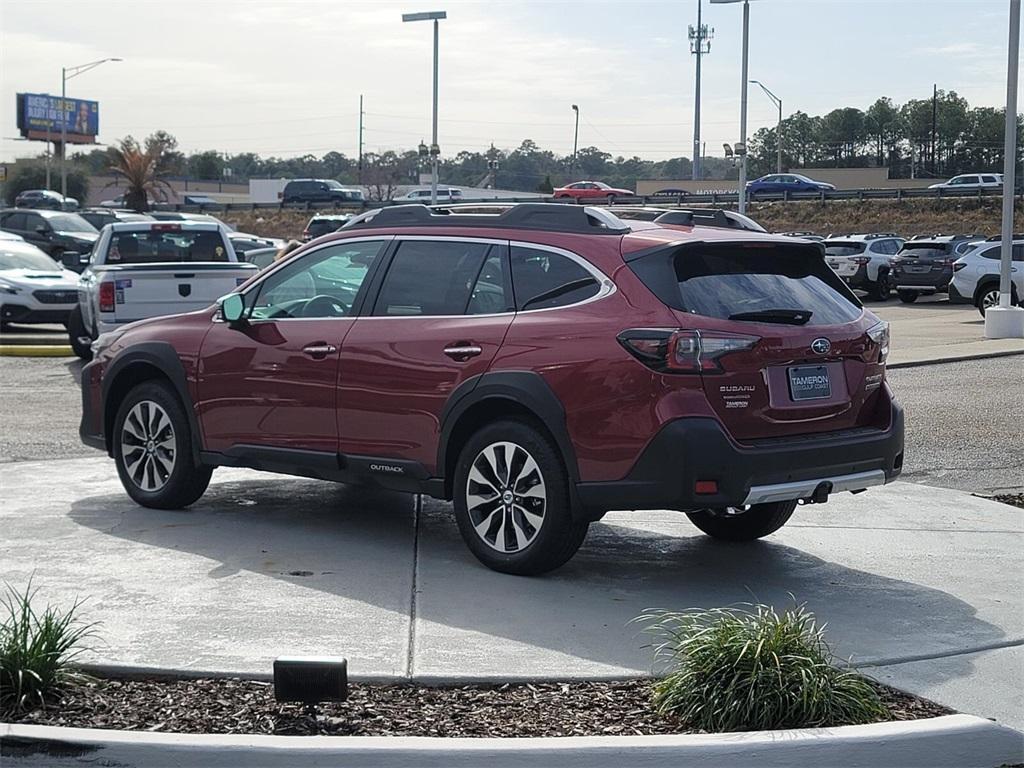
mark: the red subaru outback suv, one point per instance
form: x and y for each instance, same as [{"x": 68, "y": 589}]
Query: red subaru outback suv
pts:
[{"x": 538, "y": 367}]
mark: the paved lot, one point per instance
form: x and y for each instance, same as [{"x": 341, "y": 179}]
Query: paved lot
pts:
[
  {"x": 965, "y": 421},
  {"x": 265, "y": 566}
]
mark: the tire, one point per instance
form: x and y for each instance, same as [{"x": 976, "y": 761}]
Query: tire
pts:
[
  {"x": 880, "y": 289},
  {"x": 611, "y": 199},
  {"x": 508, "y": 537},
  {"x": 76, "y": 332},
  {"x": 908, "y": 297},
  {"x": 735, "y": 524},
  {"x": 161, "y": 471}
]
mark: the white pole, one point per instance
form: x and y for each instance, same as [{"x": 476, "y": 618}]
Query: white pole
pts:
[
  {"x": 1009, "y": 156},
  {"x": 1006, "y": 321},
  {"x": 433, "y": 144},
  {"x": 63, "y": 132},
  {"x": 743, "y": 112}
]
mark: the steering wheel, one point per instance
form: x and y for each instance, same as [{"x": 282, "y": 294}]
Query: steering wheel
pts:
[{"x": 325, "y": 306}]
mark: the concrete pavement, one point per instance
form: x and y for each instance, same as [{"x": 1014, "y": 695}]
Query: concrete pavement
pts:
[{"x": 921, "y": 582}]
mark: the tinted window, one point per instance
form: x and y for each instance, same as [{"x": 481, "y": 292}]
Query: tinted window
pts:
[
  {"x": 837, "y": 248},
  {"x": 491, "y": 294},
  {"x": 323, "y": 283},
  {"x": 317, "y": 227},
  {"x": 15, "y": 221},
  {"x": 925, "y": 250},
  {"x": 989, "y": 179},
  {"x": 996, "y": 253},
  {"x": 170, "y": 246},
  {"x": 430, "y": 278},
  {"x": 544, "y": 280},
  {"x": 721, "y": 282}
]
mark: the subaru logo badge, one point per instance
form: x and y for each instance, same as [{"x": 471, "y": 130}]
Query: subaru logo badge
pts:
[{"x": 821, "y": 346}]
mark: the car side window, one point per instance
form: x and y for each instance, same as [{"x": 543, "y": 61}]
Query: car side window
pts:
[
  {"x": 989, "y": 179},
  {"x": 492, "y": 292},
  {"x": 15, "y": 221},
  {"x": 544, "y": 280},
  {"x": 322, "y": 283},
  {"x": 430, "y": 278},
  {"x": 32, "y": 222},
  {"x": 991, "y": 253}
]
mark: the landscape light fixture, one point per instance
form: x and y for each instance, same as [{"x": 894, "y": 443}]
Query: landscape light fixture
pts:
[
  {"x": 66, "y": 73},
  {"x": 310, "y": 679},
  {"x": 742, "y": 187},
  {"x": 435, "y": 150}
]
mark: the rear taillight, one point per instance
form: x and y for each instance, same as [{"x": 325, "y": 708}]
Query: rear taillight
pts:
[
  {"x": 860, "y": 259},
  {"x": 678, "y": 351},
  {"x": 879, "y": 334},
  {"x": 958, "y": 265},
  {"x": 106, "y": 297},
  {"x": 946, "y": 262}
]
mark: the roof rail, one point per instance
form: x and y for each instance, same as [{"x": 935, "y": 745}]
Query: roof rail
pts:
[
  {"x": 997, "y": 238},
  {"x": 554, "y": 217}
]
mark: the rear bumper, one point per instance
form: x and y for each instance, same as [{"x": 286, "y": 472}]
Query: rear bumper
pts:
[
  {"x": 956, "y": 297},
  {"x": 858, "y": 279},
  {"x": 925, "y": 281},
  {"x": 691, "y": 449}
]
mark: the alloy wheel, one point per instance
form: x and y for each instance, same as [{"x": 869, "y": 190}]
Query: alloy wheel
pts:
[
  {"x": 990, "y": 299},
  {"x": 506, "y": 497},
  {"x": 147, "y": 446}
]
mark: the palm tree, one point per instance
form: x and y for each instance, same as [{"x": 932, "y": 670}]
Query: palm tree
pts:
[{"x": 139, "y": 169}]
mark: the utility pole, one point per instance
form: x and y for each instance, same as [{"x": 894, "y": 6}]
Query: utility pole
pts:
[
  {"x": 360, "y": 165},
  {"x": 700, "y": 44},
  {"x": 935, "y": 101}
]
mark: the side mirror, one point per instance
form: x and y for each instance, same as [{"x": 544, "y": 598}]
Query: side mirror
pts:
[
  {"x": 42, "y": 229},
  {"x": 232, "y": 308},
  {"x": 71, "y": 260}
]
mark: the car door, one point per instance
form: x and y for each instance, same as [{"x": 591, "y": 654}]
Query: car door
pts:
[
  {"x": 440, "y": 315},
  {"x": 266, "y": 386}
]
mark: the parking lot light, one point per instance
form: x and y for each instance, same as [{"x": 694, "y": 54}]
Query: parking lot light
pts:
[
  {"x": 434, "y": 16},
  {"x": 742, "y": 186},
  {"x": 66, "y": 73}
]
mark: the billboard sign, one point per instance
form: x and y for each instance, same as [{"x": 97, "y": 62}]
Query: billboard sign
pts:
[{"x": 40, "y": 117}]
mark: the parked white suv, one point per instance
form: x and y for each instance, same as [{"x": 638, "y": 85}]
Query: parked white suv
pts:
[
  {"x": 971, "y": 181},
  {"x": 976, "y": 275},
  {"x": 864, "y": 261}
]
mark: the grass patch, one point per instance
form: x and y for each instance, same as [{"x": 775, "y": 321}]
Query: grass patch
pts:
[
  {"x": 36, "y": 650},
  {"x": 751, "y": 668}
]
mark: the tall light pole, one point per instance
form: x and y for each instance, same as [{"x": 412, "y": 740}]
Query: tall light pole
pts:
[
  {"x": 700, "y": 44},
  {"x": 1006, "y": 321},
  {"x": 742, "y": 144},
  {"x": 778, "y": 131},
  {"x": 66, "y": 73},
  {"x": 575, "y": 138},
  {"x": 435, "y": 150}
]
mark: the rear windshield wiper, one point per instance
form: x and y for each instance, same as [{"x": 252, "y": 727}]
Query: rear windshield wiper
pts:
[{"x": 785, "y": 316}]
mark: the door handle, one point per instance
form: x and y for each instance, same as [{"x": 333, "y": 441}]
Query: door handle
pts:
[
  {"x": 463, "y": 350},
  {"x": 319, "y": 350}
]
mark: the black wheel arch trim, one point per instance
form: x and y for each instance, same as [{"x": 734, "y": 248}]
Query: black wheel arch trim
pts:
[
  {"x": 163, "y": 357},
  {"x": 526, "y": 389}
]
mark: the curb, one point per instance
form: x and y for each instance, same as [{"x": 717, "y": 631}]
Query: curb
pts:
[
  {"x": 35, "y": 350},
  {"x": 952, "y": 741},
  {"x": 954, "y": 359}
]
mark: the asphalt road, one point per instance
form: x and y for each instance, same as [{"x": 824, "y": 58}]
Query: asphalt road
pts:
[{"x": 965, "y": 421}]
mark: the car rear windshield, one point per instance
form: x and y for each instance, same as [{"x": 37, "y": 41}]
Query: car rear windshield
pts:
[
  {"x": 728, "y": 280},
  {"x": 319, "y": 227},
  {"x": 925, "y": 250},
  {"x": 835, "y": 248},
  {"x": 167, "y": 246}
]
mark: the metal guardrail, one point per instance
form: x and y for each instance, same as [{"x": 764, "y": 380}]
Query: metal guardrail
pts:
[{"x": 709, "y": 198}]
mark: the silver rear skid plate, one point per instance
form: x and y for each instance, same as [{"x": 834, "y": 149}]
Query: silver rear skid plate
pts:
[{"x": 814, "y": 488}]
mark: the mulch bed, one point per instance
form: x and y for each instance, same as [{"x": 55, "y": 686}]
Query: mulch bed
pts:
[
  {"x": 1013, "y": 499},
  {"x": 520, "y": 710}
]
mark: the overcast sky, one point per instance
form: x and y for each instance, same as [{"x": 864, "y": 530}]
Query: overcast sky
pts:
[{"x": 283, "y": 77}]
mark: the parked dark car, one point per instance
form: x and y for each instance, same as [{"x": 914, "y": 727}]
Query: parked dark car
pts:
[
  {"x": 780, "y": 183},
  {"x": 100, "y": 217},
  {"x": 54, "y": 232},
  {"x": 320, "y": 191},
  {"x": 322, "y": 225},
  {"x": 45, "y": 198},
  {"x": 926, "y": 266},
  {"x": 538, "y": 367}
]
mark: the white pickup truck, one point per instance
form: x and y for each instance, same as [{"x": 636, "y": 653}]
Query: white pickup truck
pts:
[{"x": 145, "y": 269}]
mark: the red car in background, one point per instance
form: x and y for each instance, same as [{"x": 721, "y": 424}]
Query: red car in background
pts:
[{"x": 591, "y": 190}]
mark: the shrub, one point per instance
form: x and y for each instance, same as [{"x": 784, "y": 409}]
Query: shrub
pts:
[
  {"x": 36, "y": 650},
  {"x": 750, "y": 668}
]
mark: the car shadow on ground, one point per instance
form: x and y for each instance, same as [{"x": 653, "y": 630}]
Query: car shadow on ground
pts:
[{"x": 347, "y": 541}]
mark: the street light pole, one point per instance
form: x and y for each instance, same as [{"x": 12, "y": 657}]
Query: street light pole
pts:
[
  {"x": 575, "y": 139},
  {"x": 778, "y": 131},
  {"x": 743, "y": 110},
  {"x": 66, "y": 73},
  {"x": 1006, "y": 321},
  {"x": 435, "y": 150}
]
